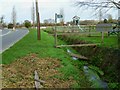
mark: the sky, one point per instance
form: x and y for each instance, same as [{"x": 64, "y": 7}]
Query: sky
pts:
[{"x": 47, "y": 9}]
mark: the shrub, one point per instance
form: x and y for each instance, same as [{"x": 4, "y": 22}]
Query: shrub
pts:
[
  {"x": 27, "y": 24},
  {"x": 10, "y": 26}
]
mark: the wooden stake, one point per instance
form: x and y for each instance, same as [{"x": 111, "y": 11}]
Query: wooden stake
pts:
[{"x": 37, "y": 83}]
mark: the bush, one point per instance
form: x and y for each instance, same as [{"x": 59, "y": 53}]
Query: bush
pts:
[
  {"x": 27, "y": 24},
  {"x": 10, "y": 26}
]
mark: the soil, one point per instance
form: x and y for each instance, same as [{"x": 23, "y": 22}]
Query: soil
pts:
[{"x": 20, "y": 73}]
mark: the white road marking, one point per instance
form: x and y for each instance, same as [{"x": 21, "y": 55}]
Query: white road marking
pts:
[{"x": 5, "y": 34}]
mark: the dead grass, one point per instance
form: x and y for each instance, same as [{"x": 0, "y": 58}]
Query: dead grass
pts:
[{"x": 20, "y": 74}]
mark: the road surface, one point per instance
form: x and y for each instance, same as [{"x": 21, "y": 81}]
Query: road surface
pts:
[{"x": 8, "y": 38}]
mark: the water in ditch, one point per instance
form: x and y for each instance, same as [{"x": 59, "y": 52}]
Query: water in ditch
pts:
[{"x": 92, "y": 76}]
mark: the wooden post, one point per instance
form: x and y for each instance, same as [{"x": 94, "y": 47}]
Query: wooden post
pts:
[
  {"x": 38, "y": 21},
  {"x": 102, "y": 41},
  {"x": 38, "y": 31},
  {"x": 89, "y": 31},
  {"x": 37, "y": 81},
  {"x": 55, "y": 30}
]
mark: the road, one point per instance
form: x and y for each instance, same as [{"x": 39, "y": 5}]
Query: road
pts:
[{"x": 8, "y": 38}]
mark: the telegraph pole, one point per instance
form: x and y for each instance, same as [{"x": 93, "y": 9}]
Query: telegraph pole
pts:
[{"x": 38, "y": 21}]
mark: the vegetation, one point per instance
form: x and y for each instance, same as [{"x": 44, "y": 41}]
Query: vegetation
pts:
[
  {"x": 105, "y": 56},
  {"x": 27, "y": 24},
  {"x": 10, "y": 26},
  {"x": 45, "y": 48}
]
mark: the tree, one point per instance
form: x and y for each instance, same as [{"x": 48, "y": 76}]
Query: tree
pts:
[
  {"x": 10, "y": 26},
  {"x": 27, "y": 23},
  {"x": 14, "y": 16},
  {"x": 98, "y": 5},
  {"x": 1, "y": 19},
  {"x": 33, "y": 15}
]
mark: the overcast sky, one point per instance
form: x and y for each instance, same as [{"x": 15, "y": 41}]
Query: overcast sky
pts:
[{"x": 47, "y": 9}]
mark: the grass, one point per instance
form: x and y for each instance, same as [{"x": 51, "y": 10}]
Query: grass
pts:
[
  {"x": 30, "y": 44},
  {"x": 45, "y": 48},
  {"x": 108, "y": 41}
]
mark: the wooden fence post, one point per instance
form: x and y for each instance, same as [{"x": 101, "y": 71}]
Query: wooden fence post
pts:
[
  {"x": 89, "y": 31},
  {"x": 102, "y": 41}
]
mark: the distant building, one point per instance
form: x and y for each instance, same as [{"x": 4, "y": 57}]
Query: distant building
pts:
[{"x": 76, "y": 20}]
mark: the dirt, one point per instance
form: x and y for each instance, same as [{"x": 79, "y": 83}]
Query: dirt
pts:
[{"x": 20, "y": 73}]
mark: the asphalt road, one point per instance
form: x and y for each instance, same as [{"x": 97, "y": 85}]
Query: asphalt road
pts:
[{"x": 8, "y": 38}]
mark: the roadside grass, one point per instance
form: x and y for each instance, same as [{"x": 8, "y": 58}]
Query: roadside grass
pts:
[
  {"x": 45, "y": 48},
  {"x": 30, "y": 44}
]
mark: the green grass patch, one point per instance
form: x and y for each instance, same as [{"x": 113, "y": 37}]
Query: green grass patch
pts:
[
  {"x": 111, "y": 41},
  {"x": 30, "y": 44}
]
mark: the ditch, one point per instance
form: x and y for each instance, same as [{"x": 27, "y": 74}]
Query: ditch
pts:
[
  {"x": 107, "y": 59},
  {"x": 103, "y": 58}
]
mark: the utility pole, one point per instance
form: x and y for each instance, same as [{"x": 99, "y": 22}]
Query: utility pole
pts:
[{"x": 38, "y": 21}]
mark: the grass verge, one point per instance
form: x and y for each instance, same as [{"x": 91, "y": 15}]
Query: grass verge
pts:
[{"x": 45, "y": 48}]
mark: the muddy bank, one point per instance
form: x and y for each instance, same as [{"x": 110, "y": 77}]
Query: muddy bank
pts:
[{"x": 107, "y": 59}]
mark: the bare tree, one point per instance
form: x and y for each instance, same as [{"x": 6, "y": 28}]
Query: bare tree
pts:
[
  {"x": 14, "y": 16},
  {"x": 98, "y": 5},
  {"x": 33, "y": 15},
  {"x": 1, "y": 19},
  {"x": 38, "y": 20}
]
